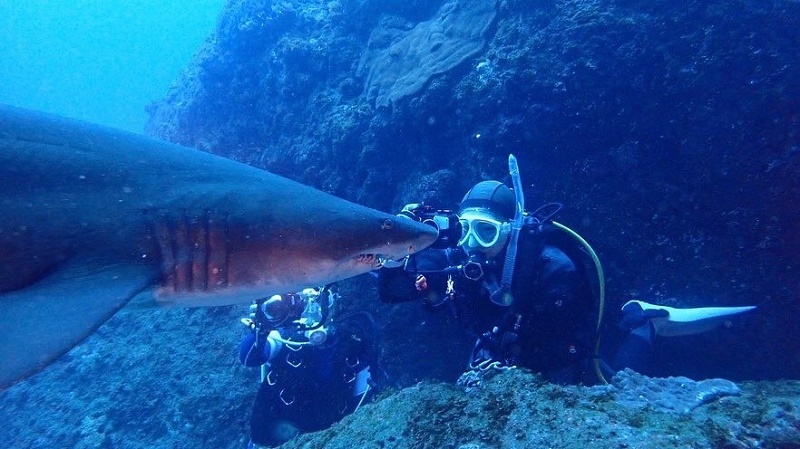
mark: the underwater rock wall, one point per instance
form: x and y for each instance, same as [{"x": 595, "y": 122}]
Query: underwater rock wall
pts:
[
  {"x": 399, "y": 62},
  {"x": 668, "y": 128},
  {"x": 515, "y": 409}
]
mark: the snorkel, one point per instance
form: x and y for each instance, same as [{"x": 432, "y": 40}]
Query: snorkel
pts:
[{"x": 503, "y": 296}]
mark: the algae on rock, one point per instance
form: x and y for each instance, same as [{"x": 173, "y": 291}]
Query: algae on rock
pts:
[{"x": 399, "y": 63}]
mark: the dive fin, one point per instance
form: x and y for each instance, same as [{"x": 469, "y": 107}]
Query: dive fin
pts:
[
  {"x": 43, "y": 321},
  {"x": 679, "y": 322}
]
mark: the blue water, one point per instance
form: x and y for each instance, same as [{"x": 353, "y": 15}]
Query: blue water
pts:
[
  {"x": 95, "y": 60},
  {"x": 668, "y": 129}
]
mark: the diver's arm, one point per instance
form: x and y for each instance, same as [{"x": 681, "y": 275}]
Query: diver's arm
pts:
[
  {"x": 421, "y": 277},
  {"x": 258, "y": 348}
]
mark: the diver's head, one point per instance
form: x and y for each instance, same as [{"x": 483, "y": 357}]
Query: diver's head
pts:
[
  {"x": 485, "y": 214},
  {"x": 313, "y": 318},
  {"x": 278, "y": 308}
]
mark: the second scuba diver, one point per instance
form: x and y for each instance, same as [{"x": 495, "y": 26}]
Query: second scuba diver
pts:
[{"x": 315, "y": 369}]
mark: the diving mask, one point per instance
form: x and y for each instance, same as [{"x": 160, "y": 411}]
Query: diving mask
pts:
[{"x": 485, "y": 231}]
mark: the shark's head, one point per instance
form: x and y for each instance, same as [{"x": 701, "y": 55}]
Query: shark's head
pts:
[
  {"x": 281, "y": 247},
  {"x": 332, "y": 242},
  {"x": 362, "y": 244}
]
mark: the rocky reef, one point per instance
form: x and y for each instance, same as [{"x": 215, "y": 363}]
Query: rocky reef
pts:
[
  {"x": 515, "y": 409},
  {"x": 669, "y": 129},
  {"x": 170, "y": 380},
  {"x": 400, "y": 62}
]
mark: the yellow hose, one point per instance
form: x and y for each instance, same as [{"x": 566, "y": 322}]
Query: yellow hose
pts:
[{"x": 602, "y": 285}]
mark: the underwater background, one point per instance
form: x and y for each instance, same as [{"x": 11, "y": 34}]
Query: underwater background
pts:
[
  {"x": 99, "y": 61},
  {"x": 669, "y": 130}
]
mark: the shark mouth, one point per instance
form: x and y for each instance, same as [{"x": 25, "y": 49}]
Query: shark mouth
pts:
[{"x": 372, "y": 260}]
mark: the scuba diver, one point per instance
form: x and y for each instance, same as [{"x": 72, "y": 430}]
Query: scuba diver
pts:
[
  {"x": 532, "y": 289},
  {"x": 314, "y": 369}
]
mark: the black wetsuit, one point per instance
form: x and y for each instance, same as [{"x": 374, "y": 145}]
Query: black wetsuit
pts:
[
  {"x": 549, "y": 328},
  {"x": 307, "y": 388}
]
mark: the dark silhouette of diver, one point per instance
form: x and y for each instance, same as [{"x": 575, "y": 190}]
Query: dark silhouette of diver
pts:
[{"x": 315, "y": 369}]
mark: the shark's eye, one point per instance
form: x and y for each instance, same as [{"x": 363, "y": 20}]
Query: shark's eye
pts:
[{"x": 387, "y": 224}]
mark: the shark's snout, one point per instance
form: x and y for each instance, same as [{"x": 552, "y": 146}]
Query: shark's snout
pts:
[{"x": 406, "y": 237}]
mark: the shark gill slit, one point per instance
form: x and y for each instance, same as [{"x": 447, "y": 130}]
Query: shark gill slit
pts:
[
  {"x": 194, "y": 252},
  {"x": 183, "y": 253},
  {"x": 217, "y": 256},
  {"x": 198, "y": 271},
  {"x": 163, "y": 236}
]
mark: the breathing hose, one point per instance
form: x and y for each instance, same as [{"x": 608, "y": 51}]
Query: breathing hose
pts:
[{"x": 602, "y": 288}]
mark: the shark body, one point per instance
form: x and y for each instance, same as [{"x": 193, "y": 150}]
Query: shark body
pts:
[{"x": 91, "y": 217}]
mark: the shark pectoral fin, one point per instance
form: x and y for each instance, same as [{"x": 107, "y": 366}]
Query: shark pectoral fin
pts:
[{"x": 43, "y": 321}]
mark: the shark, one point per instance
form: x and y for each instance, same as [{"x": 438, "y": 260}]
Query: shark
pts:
[{"x": 92, "y": 218}]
